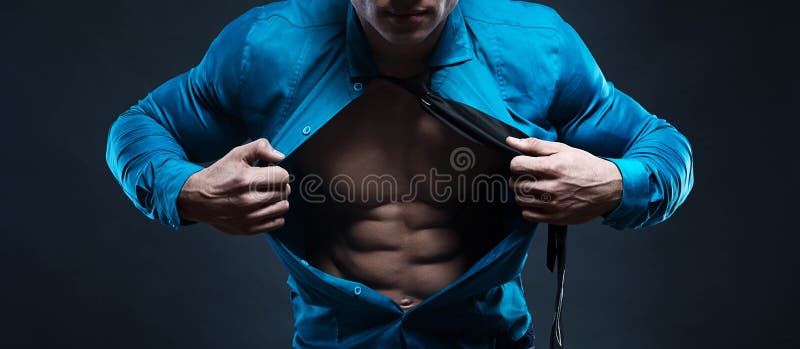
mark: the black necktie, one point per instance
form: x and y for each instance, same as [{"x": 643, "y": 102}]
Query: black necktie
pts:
[{"x": 484, "y": 129}]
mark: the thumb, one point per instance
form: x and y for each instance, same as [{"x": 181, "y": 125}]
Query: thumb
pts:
[
  {"x": 258, "y": 149},
  {"x": 534, "y": 146}
]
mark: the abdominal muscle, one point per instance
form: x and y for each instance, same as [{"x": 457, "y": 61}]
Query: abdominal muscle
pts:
[{"x": 406, "y": 249}]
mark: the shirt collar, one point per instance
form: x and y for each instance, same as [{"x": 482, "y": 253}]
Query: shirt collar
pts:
[{"x": 455, "y": 45}]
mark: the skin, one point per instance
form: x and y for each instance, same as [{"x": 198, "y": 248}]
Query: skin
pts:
[
  {"x": 402, "y": 50},
  {"x": 558, "y": 184},
  {"x": 222, "y": 195},
  {"x": 407, "y": 249}
]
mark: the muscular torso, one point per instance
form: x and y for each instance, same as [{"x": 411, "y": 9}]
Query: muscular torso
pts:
[{"x": 385, "y": 223}]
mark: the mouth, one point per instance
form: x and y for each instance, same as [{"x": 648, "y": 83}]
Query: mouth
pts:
[
  {"x": 409, "y": 12},
  {"x": 406, "y": 17}
]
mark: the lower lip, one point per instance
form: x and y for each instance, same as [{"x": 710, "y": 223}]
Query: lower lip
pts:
[{"x": 405, "y": 20}]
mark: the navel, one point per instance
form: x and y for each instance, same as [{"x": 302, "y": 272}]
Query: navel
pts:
[{"x": 406, "y": 303}]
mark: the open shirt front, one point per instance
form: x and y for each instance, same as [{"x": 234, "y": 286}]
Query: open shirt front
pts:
[{"x": 283, "y": 70}]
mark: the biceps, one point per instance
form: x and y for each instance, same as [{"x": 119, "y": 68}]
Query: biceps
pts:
[
  {"x": 191, "y": 111},
  {"x": 609, "y": 124}
]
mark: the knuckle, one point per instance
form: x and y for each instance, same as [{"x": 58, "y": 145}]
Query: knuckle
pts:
[
  {"x": 273, "y": 224},
  {"x": 552, "y": 190},
  {"x": 268, "y": 197},
  {"x": 232, "y": 201},
  {"x": 559, "y": 166},
  {"x": 283, "y": 207},
  {"x": 531, "y": 142},
  {"x": 552, "y": 166},
  {"x": 516, "y": 163},
  {"x": 237, "y": 150},
  {"x": 248, "y": 199},
  {"x": 528, "y": 214},
  {"x": 281, "y": 175},
  {"x": 240, "y": 180}
]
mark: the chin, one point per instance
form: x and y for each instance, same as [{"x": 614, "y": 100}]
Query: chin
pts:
[
  {"x": 401, "y": 36},
  {"x": 405, "y": 39}
]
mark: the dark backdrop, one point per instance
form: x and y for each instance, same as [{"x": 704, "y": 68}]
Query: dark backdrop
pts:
[{"x": 82, "y": 268}]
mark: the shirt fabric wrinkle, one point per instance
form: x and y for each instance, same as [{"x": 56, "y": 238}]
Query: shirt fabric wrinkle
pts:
[{"x": 478, "y": 62}]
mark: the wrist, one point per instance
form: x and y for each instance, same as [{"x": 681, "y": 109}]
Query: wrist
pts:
[
  {"x": 188, "y": 197},
  {"x": 613, "y": 180}
]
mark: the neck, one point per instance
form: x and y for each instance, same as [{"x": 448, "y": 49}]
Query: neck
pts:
[{"x": 401, "y": 61}]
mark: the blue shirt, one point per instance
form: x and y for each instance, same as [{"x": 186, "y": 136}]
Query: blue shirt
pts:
[{"x": 282, "y": 70}]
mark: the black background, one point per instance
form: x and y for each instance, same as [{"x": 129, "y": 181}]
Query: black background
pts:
[{"x": 82, "y": 268}]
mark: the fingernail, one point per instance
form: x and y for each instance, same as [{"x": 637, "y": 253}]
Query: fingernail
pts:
[{"x": 278, "y": 153}]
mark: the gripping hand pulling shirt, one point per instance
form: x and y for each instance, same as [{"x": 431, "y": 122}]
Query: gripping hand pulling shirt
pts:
[{"x": 283, "y": 70}]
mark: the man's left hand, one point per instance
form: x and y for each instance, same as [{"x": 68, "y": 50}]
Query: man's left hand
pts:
[{"x": 558, "y": 184}]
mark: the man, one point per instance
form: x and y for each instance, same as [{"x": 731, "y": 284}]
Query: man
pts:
[{"x": 314, "y": 83}]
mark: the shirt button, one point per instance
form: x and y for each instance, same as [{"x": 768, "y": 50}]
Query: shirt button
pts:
[
  {"x": 357, "y": 290},
  {"x": 306, "y": 130},
  {"x": 358, "y": 86}
]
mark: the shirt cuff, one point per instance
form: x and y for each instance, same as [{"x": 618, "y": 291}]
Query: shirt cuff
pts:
[
  {"x": 635, "y": 195},
  {"x": 170, "y": 180}
]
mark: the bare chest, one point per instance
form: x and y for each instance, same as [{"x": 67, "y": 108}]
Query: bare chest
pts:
[{"x": 384, "y": 146}]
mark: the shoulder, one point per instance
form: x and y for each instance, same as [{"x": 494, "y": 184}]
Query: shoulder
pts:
[
  {"x": 268, "y": 48},
  {"x": 280, "y": 29},
  {"x": 276, "y": 34},
  {"x": 298, "y": 13},
  {"x": 513, "y": 28},
  {"x": 511, "y": 13},
  {"x": 520, "y": 42}
]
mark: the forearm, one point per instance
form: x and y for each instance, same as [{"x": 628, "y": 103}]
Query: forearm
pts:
[
  {"x": 657, "y": 174},
  {"x": 153, "y": 147},
  {"x": 149, "y": 164},
  {"x": 654, "y": 159}
]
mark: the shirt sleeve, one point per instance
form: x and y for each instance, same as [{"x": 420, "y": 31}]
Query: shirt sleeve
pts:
[
  {"x": 654, "y": 158},
  {"x": 154, "y": 147}
]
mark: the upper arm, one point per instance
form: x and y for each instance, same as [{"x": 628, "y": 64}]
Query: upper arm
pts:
[
  {"x": 590, "y": 113},
  {"x": 152, "y": 147},
  {"x": 200, "y": 108}
]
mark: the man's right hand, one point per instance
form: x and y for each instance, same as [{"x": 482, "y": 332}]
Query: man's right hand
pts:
[{"x": 235, "y": 197}]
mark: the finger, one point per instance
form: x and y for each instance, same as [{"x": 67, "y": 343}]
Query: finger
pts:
[
  {"x": 538, "y": 216},
  {"x": 531, "y": 165},
  {"x": 267, "y": 178},
  {"x": 534, "y": 146},
  {"x": 255, "y": 150},
  {"x": 266, "y": 226},
  {"x": 268, "y": 212},
  {"x": 261, "y": 198},
  {"x": 527, "y": 184},
  {"x": 535, "y": 202}
]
